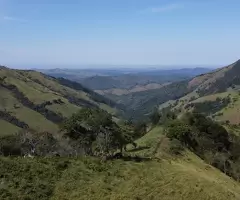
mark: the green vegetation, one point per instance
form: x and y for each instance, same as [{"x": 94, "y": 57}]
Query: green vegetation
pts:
[
  {"x": 220, "y": 82},
  {"x": 209, "y": 140},
  {"x": 70, "y": 143},
  {"x": 166, "y": 178},
  {"x": 7, "y": 128},
  {"x": 33, "y": 100},
  {"x": 210, "y": 107},
  {"x": 140, "y": 104}
]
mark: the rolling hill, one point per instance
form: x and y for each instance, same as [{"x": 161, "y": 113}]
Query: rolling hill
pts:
[
  {"x": 157, "y": 168},
  {"x": 30, "y": 99},
  {"x": 124, "y": 78},
  {"x": 223, "y": 81},
  {"x": 215, "y": 94},
  {"x": 136, "y": 80}
]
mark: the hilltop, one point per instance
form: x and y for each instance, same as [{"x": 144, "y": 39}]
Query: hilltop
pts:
[{"x": 32, "y": 100}]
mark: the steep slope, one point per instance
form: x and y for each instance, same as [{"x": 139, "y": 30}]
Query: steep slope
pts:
[
  {"x": 215, "y": 94},
  {"x": 164, "y": 176},
  {"x": 30, "y": 99}
]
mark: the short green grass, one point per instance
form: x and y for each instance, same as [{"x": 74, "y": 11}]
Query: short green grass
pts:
[
  {"x": 7, "y": 129},
  {"x": 39, "y": 88},
  {"x": 148, "y": 180},
  {"x": 35, "y": 120},
  {"x": 231, "y": 112},
  {"x": 167, "y": 178},
  {"x": 66, "y": 110},
  {"x": 108, "y": 108},
  {"x": 88, "y": 178},
  {"x": 213, "y": 97}
]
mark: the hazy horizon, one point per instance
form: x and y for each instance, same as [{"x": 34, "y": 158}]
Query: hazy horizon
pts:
[{"x": 113, "y": 67}]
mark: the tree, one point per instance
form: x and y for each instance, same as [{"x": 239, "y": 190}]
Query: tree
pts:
[
  {"x": 176, "y": 129},
  {"x": 140, "y": 129},
  {"x": 10, "y": 146},
  {"x": 95, "y": 131},
  {"x": 155, "y": 117}
]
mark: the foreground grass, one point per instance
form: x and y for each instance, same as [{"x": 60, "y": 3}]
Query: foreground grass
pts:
[
  {"x": 88, "y": 178},
  {"x": 163, "y": 177},
  {"x": 148, "y": 180}
]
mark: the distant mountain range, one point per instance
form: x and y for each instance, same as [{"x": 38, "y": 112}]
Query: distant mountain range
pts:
[{"x": 102, "y": 79}]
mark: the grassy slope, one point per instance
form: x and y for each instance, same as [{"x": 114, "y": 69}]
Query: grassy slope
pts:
[
  {"x": 165, "y": 177},
  {"x": 39, "y": 88},
  {"x": 35, "y": 120},
  {"x": 7, "y": 128},
  {"x": 231, "y": 112},
  {"x": 209, "y": 86}
]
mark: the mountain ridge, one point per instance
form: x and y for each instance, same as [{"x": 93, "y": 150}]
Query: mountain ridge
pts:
[{"x": 217, "y": 81}]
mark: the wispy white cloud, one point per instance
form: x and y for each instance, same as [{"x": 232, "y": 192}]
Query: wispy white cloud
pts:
[
  {"x": 164, "y": 8},
  {"x": 9, "y": 18}
]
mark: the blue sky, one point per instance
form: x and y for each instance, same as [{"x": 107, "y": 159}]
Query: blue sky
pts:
[{"x": 131, "y": 32}]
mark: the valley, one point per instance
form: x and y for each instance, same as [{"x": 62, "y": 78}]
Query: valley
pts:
[
  {"x": 60, "y": 139},
  {"x": 119, "y": 100}
]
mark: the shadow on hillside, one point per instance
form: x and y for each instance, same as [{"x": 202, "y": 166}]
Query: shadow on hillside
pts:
[
  {"x": 119, "y": 156},
  {"x": 135, "y": 158},
  {"x": 138, "y": 149}
]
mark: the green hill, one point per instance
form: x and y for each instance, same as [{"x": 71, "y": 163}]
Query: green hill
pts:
[
  {"x": 158, "y": 167},
  {"x": 215, "y": 94},
  {"x": 30, "y": 99}
]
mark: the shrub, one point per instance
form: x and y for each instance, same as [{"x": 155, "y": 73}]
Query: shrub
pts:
[
  {"x": 183, "y": 132},
  {"x": 176, "y": 147}
]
